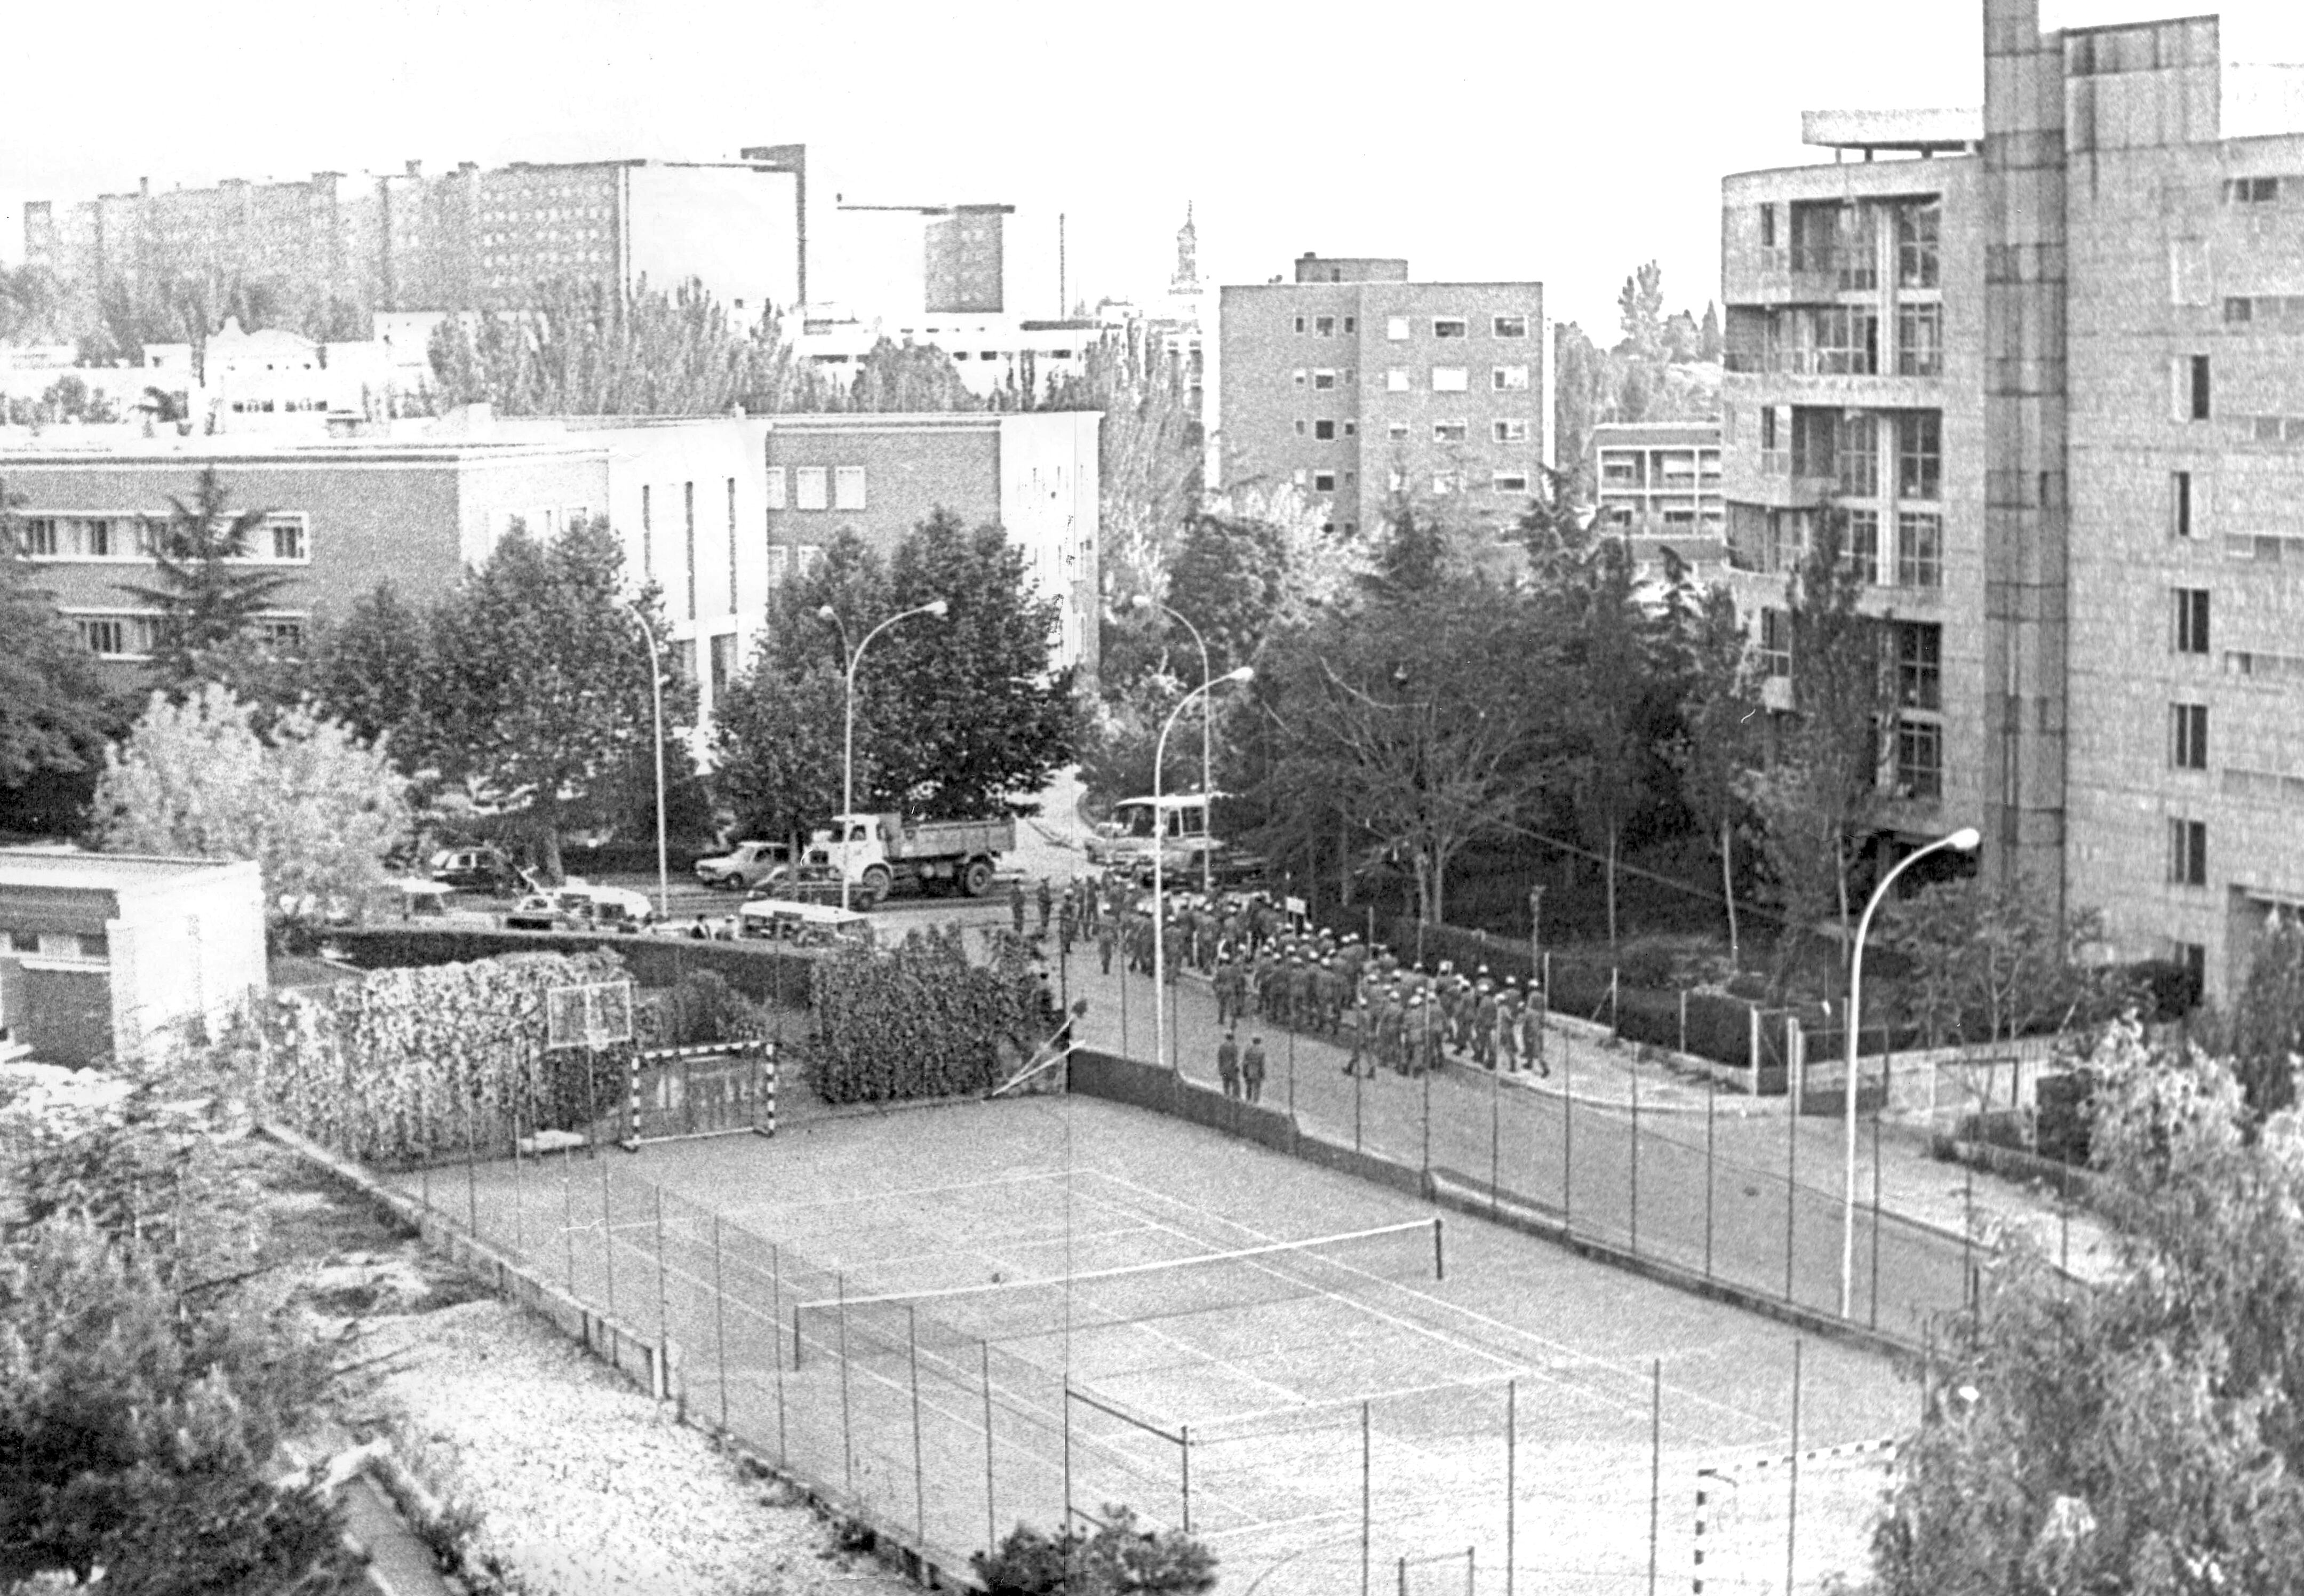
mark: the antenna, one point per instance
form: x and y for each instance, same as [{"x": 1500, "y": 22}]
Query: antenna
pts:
[{"x": 1064, "y": 298}]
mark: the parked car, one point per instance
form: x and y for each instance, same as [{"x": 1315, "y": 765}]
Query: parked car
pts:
[
  {"x": 545, "y": 911},
  {"x": 807, "y": 924},
  {"x": 479, "y": 870},
  {"x": 746, "y": 866}
]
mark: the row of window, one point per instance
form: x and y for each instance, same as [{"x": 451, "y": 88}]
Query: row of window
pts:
[
  {"x": 130, "y": 636},
  {"x": 66, "y": 944},
  {"x": 1835, "y": 340},
  {"x": 1841, "y": 239},
  {"x": 1842, "y": 447},
  {"x": 1397, "y": 379},
  {"x": 284, "y": 538},
  {"x": 1510, "y": 430},
  {"x": 1913, "y": 652},
  {"x": 818, "y": 487},
  {"x": 1399, "y": 327},
  {"x": 2254, "y": 309}
]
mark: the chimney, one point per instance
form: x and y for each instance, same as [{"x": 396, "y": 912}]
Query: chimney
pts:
[
  {"x": 415, "y": 168},
  {"x": 143, "y": 185}
]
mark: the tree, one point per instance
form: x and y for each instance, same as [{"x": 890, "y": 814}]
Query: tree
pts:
[
  {"x": 1148, "y": 457},
  {"x": 1229, "y": 578},
  {"x": 1720, "y": 732},
  {"x": 137, "y": 1424},
  {"x": 371, "y": 668},
  {"x": 55, "y": 714},
  {"x": 2143, "y": 1435},
  {"x": 1709, "y": 344},
  {"x": 315, "y": 807},
  {"x": 2268, "y": 1022},
  {"x": 953, "y": 718},
  {"x": 1578, "y": 403},
  {"x": 1639, "y": 315},
  {"x": 205, "y": 598},
  {"x": 1993, "y": 962},
  {"x": 1820, "y": 798},
  {"x": 538, "y": 698}
]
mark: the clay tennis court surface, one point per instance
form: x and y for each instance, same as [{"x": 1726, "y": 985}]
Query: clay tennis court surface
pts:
[{"x": 869, "y": 1300}]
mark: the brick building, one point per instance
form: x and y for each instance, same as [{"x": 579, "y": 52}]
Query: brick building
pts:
[
  {"x": 2099, "y": 388},
  {"x": 466, "y": 239},
  {"x": 1353, "y": 382}
]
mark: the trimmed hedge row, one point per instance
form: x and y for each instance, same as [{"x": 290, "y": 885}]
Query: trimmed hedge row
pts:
[
  {"x": 761, "y": 971},
  {"x": 921, "y": 1020}
]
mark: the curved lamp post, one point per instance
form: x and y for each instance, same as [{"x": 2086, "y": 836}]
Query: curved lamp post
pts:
[
  {"x": 1963, "y": 840},
  {"x": 1159, "y": 917},
  {"x": 936, "y": 607},
  {"x": 655, "y": 691},
  {"x": 1144, "y": 601}
]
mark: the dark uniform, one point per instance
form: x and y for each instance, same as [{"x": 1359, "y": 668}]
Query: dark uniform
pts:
[
  {"x": 1016, "y": 905},
  {"x": 1251, "y": 1068},
  {"x": 1228, "y": 1064}
]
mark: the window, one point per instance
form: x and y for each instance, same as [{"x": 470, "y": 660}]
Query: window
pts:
[
  {"x": 1510, "y": 327},
  {"x": 1449, "y": 326},
  {"x": 1395, "y": 380},
  {"x": 116, "y": 636},
  {"x": 776, "y": 480},
  {"x": 1919, "y": 341},
  {"x": 1815, "y": 235},
  {"x": 1776, "y": 643},
  {"x": 2252, "y": 190},
  {"x": 2188, "y": 736},
  {"x": 1815, "y": 433},
  {"x": 1324, "y": 429},
  {"x": 811, "y": 484},
  {"x": 283, "y": 633},
  {"x": 1836, "y": 340},
  {"x": 1864, "y": 544},
  {"x": 1448, "y": 432},
  {"x": 1510, "y": 482},
  {"x": 1509, "y": 431},
  {"x": 1450, "y": 379},
  {"x": 1920, "y": 664},
  {"x": 1324, "y": 326},
  {"x": 1300, "y": 324},
  {"x": 1351, "y": 324},
  {"x": 1323, "y": 380},
  {"x": 1511, "y": 379},
  {"x": 1767, "y": 227},
  {"x": 779, "y": 563},
  {"x": 1351, "y": 427},
  {"x": 2239, "y": 311},
  {"x": 722, "y": 658},
  {"x": 1397, "y": 431},
  {"x": 39, "y": 536},
  {"x": 1920, "y": 548},
  {"x": 1859, "y": 451},
  {"x": 808, "y": 556},
  {"x": 2180, "y": 503},
  {"x": 1301, "y": 424},
  {"x": 2187, "y": 852},
  {"x": 1919, "y": 759},
  {"x": 1300, "y": 378},
  {"x": 290, "y": 539},
  {"x": 2192, "y": 387},
  {"x": 1918, "y": 227},
  {"x": 95, "y": 944},
  {"x": 848, "y": 488},
  {"x": 1324, "y": 482},
  {"x": 1919, "y": 454},
  {"x": 2191, "y": 612},
  {"x": 1395, "y": 327}
]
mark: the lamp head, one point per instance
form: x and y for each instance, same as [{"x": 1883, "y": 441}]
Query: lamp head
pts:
[
  {"x": 1245, "y": 673},
  {"x": 1965, "y": 839},
  {"x": 937, "y": 608},
  {"x": 827, "y": 613}
]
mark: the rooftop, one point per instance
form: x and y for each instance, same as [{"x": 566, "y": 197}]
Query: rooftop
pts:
[
  {"x": 62, "y": 869},
  {"x": 1941, "y": 131}
]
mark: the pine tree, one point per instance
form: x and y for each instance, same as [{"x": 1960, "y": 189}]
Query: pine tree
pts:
[{"x": 205, "y": 597}]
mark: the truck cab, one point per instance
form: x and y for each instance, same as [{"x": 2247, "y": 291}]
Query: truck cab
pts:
[{"x": 878, "y": 854}]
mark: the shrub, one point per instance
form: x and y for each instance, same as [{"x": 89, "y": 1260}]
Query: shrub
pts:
[
  {"x": 702, "y": 1007},
  {"x": 920, "y": 1021},
  {"x": 1121, "y": 1557}
]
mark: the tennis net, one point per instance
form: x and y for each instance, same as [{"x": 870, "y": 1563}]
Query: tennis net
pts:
[{"x": 955, "y": 1319}]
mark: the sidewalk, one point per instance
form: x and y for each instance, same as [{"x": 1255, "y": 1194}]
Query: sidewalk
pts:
[{"x": 1705, "y": 1145}]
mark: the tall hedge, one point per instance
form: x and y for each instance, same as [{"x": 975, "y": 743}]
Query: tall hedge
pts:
[
  {"x": 404, "y": 1066},
  {"x": 921, "y": 1020}
]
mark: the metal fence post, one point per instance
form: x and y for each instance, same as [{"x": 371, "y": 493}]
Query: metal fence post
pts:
[
  {"x": 1875, "y": 1317},
  {"x": 1635, "y": 1152},
  {"x": 568, "y": 1211},
  {"x": 920, "y": 1467},
  {"x": 1511, "y": 1481},
  {"x": 1656, "y": 1464},
  {"x": 519, "y": 1198},
  {"x": 663, "y": 1294},
  {"x": 608, "y": 1238},
  {"x": 1791, "y": 1166},
  {"x": 1184, "y": 1456},
  {"x": 776, "y": 1339},
  {"x": 720, "y": 1319},
  {"x": 991, "y": 1500},
  {"x": 1567, "y": 1140},
  {"x": 847, "y": 1427},
  {"x": 1711, "y": 1109},
  {"x": 471, "y": 1175},
  {"x": 1367, "y": 1517},
  {"x": 1792, "y": 1518}
]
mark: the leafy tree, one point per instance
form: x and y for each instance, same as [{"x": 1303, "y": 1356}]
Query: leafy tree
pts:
[
  {"x": 2268, "y": 1022},
  {"x": 538, "y": 699},
  {"x": 316, "y": 808},
  {"x": 952, "y": 717},
  {"x": 1639, "y": 315},
  {"x": 1148, "y": 458},
  {"x": 1229, "y": 578},
  {"x": 1578, "y": 403},
  {"x": 1991, "y": 962},
  {"x": 1121, "y": 1557},
  {"x": 2144, "y": 1435},
  {"x": 371, "y": 668},
  {"x": 138, "y": 1426},
  {"x": 894, "y": 376},
  {"x": 55, "y": 714},
  {"x": 205, "y": 598},
  {"x": 1720, "y": 732}
]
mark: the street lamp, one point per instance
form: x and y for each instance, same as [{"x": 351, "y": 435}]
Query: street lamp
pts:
[
  {"x": 1963, "y": 840},
  {"x": 936, "y": 607},
  {"x": 1159, "y": 923},
  {"x": 1144, "y": 601},
  {"x": 656, "y": 691}
]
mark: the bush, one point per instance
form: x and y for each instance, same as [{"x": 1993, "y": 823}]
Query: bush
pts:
[
  {"x": 2171, "y": 991},
  {"x": 920, "y": 1021},
  {"x": 1121, "y": 1557},
  {"x": 2066, "y": 1115},
  {"x": 703, "y": 1007}
]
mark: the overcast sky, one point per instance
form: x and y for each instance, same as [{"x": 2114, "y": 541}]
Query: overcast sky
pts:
[{"x": 1540, "y": 139}]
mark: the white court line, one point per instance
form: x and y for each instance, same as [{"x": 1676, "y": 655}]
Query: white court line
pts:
[
  {"x": 849, "y": 1200},
  {"x": 1444, "y": 1338}
]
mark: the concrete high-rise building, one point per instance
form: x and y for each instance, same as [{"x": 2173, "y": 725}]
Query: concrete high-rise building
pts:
[
  {"x": 2048, "y": 366},
  {"x": 1353, "y": 383},
  {"x": 466, "y": 239}
]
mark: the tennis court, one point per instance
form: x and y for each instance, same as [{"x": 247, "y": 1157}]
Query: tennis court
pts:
[{"x": 962, "y": 1317}]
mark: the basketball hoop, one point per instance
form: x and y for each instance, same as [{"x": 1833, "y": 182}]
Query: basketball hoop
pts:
[{"x": 593, "y": 1015}]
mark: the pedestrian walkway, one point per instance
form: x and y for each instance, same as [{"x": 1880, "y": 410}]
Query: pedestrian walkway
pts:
[{"x": 1636, "y": 1154}]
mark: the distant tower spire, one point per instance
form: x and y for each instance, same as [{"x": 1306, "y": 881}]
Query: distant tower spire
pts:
[{"x": 1187, "y": 280}]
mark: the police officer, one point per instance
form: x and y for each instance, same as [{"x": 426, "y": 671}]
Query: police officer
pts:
[
  {"x": 1104, "y": 938},
  {"x": 1508, "y": 1026},
  {"x": 1228, "y": 1064},
  {"x": 1484, "y": 1026},
  {"x": 1047, "y": 902},
  {"x": 1016, "y": 905},
  {"x": 1251, "y": 1068}
]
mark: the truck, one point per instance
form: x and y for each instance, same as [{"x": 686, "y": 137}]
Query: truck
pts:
[{"x": 884, "y": 853}]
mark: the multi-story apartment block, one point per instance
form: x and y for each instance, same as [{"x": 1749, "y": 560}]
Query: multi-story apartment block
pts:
[
  {"x": 467, "y": 239},
  {"x": 1354, "y": 383},
  {"x": 1659, "y": 486},
  {"x": 2074, "y": 338}
]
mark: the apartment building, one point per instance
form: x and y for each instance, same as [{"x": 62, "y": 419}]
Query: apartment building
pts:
[
  {"x": 1354, "y": 383},
  {"x": 472, "y": 239},
  {"x": 2076, "y": 344},
  {"x": 1659, "y": 483}
]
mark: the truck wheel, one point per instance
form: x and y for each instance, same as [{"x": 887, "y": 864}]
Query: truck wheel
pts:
[
  {"x": 975, "y": 879},
  {"x": 876, "y": 882}
]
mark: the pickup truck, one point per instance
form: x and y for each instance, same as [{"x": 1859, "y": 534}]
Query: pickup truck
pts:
[
  {"x": 880, "y": 854},
  {"x": 745, "y": 867}
]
